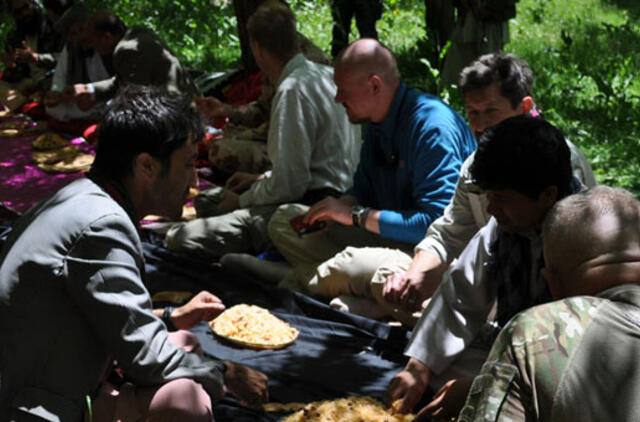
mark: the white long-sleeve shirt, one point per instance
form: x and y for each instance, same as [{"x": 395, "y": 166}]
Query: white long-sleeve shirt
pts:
[{"x": 311, "y": 143}]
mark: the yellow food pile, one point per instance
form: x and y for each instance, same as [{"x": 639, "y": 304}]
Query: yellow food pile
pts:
[
  {"x": 253, "y": 326},
  {"x": 351, "y": 409}
]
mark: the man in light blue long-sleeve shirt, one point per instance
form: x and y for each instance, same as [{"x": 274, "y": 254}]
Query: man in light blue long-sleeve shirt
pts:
[{"x": 413, "y": 148}]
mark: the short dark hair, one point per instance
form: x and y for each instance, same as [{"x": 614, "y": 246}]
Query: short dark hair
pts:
[
  {"x": 273, "y": 27},
  {"x": 58, "y": 6},
  {"x": 513, "y": 76},
  {"x": 144, "y": 119},
  {"x": 523, "y": 153},
  {"x": 104, "y": 22}
]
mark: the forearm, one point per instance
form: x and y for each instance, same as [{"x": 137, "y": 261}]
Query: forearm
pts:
[{"x": 408, "y": 226}]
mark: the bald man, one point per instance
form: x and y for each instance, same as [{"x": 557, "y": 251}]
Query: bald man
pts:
[
  {"x": 414, "y": 145},
  {"x": 577, "y": 358}
]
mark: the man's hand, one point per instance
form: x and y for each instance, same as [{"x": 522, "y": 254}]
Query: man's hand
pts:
[
  {"x": 408, "y": 385},
  {"x": 448, "y": 401},
  {"x": 211, "y": 108},
  {"x": 409, "y": 290},
  {"x": 240, "y": 181},
  {"x": 202, "y": 307},
  {"x": 230, "y": 202},
  {"x": 79, "y": 94},
  {"x": 329, "y": 209},
  {"x": 248, "y": 385},
  {"x": 26, "y": 54}
]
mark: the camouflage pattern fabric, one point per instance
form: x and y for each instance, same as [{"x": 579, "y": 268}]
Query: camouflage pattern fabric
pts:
[{"x": 528, "y": 360}]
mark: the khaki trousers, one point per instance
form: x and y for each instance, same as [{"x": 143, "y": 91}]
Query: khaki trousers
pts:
[{"x": 339, "y": 261}]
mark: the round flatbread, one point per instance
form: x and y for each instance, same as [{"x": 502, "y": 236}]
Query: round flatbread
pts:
[
  {"x": 52, "y": 156},
  {"x": 81, "y": 162},
  {"x": 350, "y": 409},
  {"x": 254, "y": 327},
  {"x": 49, "y": 141}
]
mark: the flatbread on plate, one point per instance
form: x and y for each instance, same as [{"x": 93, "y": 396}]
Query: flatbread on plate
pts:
[
  {"x": 49, "y": 141},
  {"x": 55, "y": 155},
  {"x": 254, "y": 327},
  {"x": 350, "y": 409},
  {"x": 81, "y": 162}
]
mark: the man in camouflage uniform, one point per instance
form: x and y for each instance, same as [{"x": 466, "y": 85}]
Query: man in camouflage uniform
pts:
[{"x": 575, "y": 359}]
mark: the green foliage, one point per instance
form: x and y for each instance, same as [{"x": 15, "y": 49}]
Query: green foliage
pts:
[{"x": 583, "y": 54}]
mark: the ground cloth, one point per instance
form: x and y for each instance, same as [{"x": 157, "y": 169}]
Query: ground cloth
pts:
[{"x": 336, "y": 354}]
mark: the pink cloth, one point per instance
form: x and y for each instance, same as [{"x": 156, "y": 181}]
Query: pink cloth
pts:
[{"x": 22, "y": 183}]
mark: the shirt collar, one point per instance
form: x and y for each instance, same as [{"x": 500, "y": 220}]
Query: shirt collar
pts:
[
  {"x": 388, "y": 126},
  {"x": 294, "y": 63}
]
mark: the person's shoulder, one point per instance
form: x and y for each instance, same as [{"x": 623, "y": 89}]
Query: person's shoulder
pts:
[
  {"x": 95, "y": 205},
  {"x": 562, "y": 318},
  {"x": 135, "y": 35}
]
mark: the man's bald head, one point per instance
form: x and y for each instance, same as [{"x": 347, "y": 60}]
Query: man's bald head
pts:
[
  {"x": 368, "y": 56},
  {"x": 367, "y": 77},
  {"x": 592, "y": 241}
]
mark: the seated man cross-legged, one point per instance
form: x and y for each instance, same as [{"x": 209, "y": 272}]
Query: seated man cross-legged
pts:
[
  {"x": 72, "y": 293},
  {"x": 312, "y": 147},
  {"x": 523, "y": 165},
  {"x": 575, "y": 359},
  {"x": 413, "y": 148}
]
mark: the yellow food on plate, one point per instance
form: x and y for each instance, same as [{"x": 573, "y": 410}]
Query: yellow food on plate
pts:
[
  {"x": 49, "y": 141},
  {"x": 350, "y": 409},
  {"x": 254, "y": 327},
  {"x": 81, "y": 162},
  {"x": 54, "y": 155}
]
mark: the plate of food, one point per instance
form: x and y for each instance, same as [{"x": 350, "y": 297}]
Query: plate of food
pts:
[
  {"x": 52, "y": 156},
  {"x": 80, "y": 162},
  {"x": 49, "y": 141},
  {"x": 349, "y": 409},
  {"x": 254, "y": 327}
]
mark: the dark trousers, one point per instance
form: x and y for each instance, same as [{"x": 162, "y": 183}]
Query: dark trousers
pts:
[{"x": 366, "y": 12}]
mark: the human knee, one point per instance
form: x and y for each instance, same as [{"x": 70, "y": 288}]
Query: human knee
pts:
[
  {"x": 181, "y": 400},
  {"x": 279, "y": 226},
  {"x": 186, "y": 340}
]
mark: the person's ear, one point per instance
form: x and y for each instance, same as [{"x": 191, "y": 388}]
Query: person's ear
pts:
[
  {"x": 375, "y": 84},
  {"x": 527, "y": 104},
  {"x": 146, "y": 167},
  {"x": 549, "y": 195}
]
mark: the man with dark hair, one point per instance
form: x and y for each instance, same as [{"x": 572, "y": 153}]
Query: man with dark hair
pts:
[
  {"x": 413, "y": 148},
  {"x": 77, "y": 63},
  {"x": 523, "y": 166},
  {"x": 312, "y": 147},
  {"x": 538, "y": 366},
  {"x": 33, "y": 32},
  {"x": 139, "y": 57},
  {"x": 71, "y": 276},
  {"x": 494, "y": 87}
]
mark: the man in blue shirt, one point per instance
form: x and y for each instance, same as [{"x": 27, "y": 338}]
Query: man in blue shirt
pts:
[{"x": 413, "y": 148}]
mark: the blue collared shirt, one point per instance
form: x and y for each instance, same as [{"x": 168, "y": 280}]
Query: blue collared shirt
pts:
[{"x": 409, "y": 163}]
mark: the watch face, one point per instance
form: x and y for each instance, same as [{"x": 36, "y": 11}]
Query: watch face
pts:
[{"x": 356, "y": 209}]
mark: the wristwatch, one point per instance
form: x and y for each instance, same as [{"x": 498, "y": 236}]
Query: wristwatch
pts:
[
  {"x": 356, "y": 213},
  {"x": 359, "y": 215}
]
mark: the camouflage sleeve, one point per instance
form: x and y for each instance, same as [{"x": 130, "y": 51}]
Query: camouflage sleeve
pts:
[{"x": 520, "y": 377}]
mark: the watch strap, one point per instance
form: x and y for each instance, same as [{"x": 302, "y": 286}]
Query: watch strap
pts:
[{"x": 166, "y": 318}]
